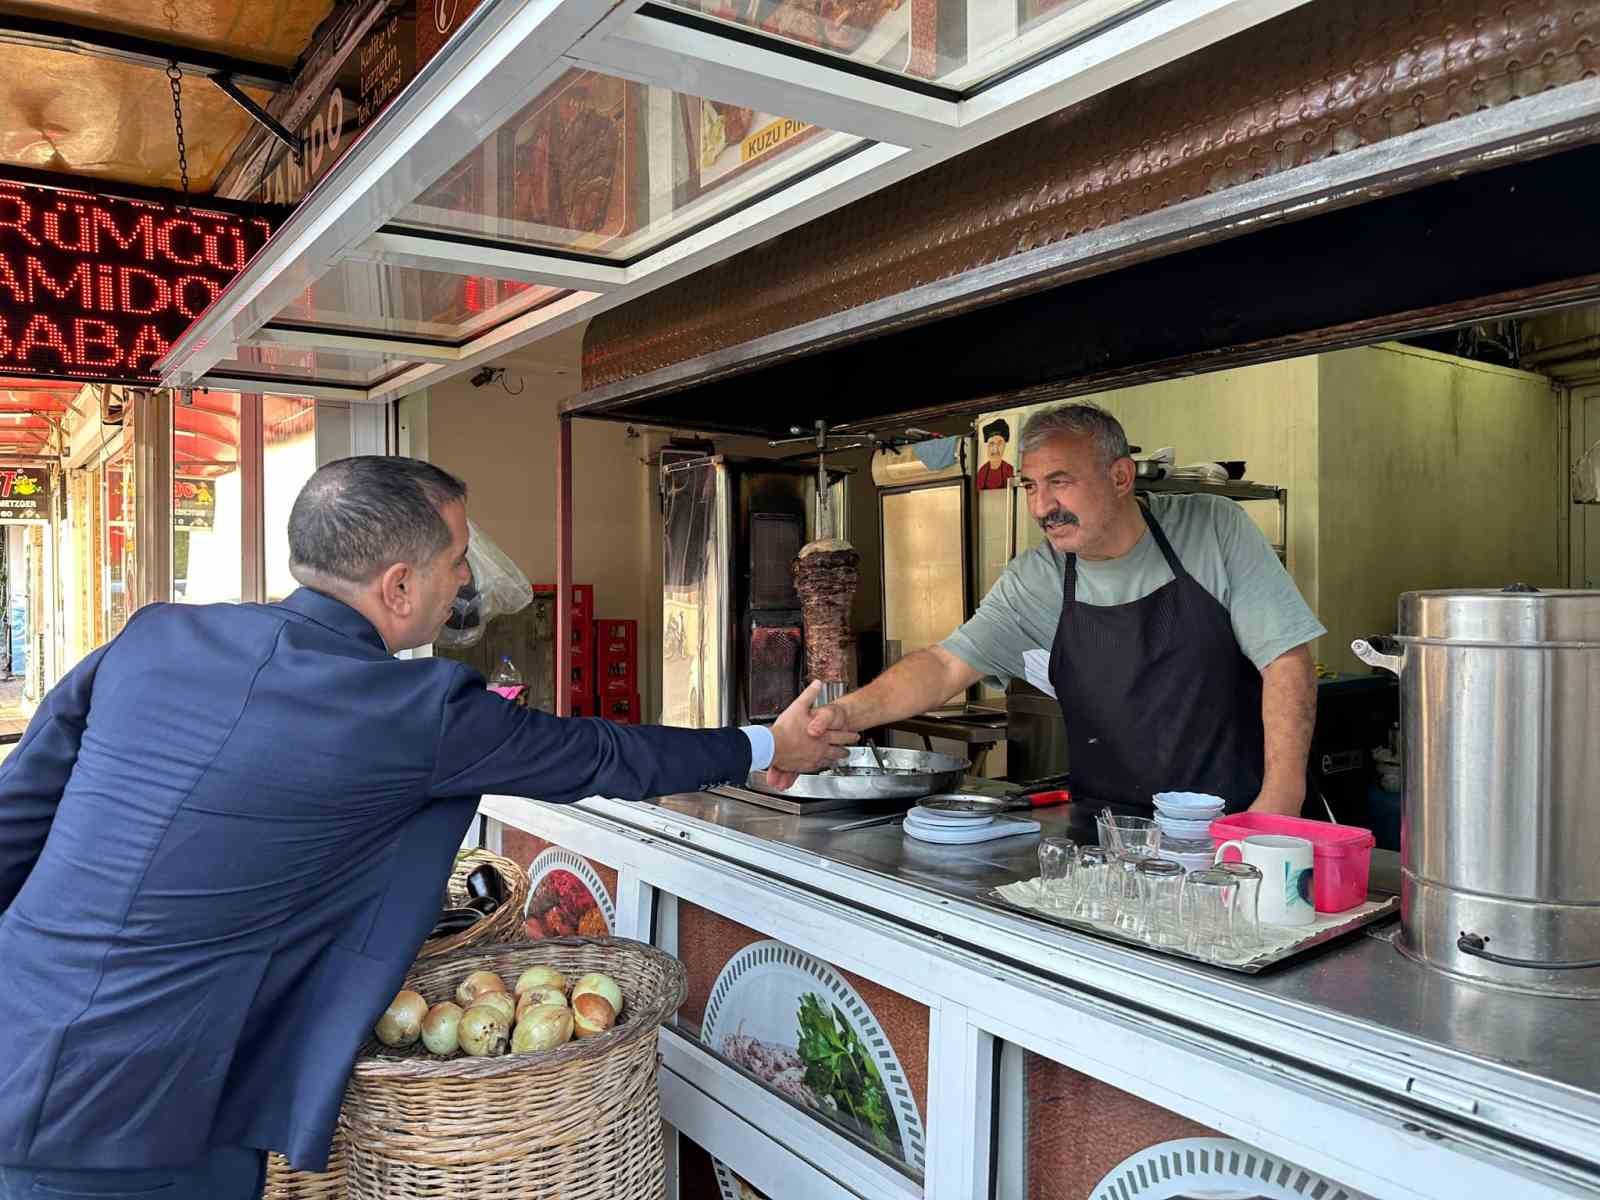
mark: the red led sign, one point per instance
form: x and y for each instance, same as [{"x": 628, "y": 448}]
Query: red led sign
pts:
[{"x": 98, "y": 287}]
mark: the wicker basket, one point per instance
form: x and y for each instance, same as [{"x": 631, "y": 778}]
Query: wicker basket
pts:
[
  {"x": 285, "y": 1183},
  {"x": 582, "y": 1122},
  {"x": 503, "y": 925}
]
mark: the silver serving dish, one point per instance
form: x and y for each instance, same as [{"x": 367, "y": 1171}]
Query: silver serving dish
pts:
[{"x": 905, "y": 775}]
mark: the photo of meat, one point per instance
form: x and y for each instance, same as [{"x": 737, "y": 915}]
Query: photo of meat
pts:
[
  {"x": 568, "y": 155},
  {"x": 567, "y": 898},
  {"x": 842, "y": 26}
]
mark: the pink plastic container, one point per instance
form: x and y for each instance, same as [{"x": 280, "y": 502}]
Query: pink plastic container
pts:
[{"x": 1341, "y": 855}]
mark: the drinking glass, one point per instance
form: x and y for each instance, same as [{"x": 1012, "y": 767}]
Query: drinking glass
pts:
[
  {"x": 1246, "y": 924},
  {"x": 1058, "y": 860},
  {"x": 1135, "y": 835},
  {"x": 1122, "y": 893},
  {"x": 1160, "y": 899},
  {"x": 1207, "y": 914},
  {"x": 1093, "y": 877}
]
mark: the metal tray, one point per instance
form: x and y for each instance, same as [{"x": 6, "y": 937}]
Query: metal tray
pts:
[
  {"x": 910, "y": 775},
  {"x": 1286, "y": 954}
]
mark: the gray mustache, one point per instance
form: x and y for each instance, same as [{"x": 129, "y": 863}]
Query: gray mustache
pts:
[{"x": 1058, "y": 517}]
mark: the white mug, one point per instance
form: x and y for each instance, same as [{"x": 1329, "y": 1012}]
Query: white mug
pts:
[{"x": 1286, "y": 865}]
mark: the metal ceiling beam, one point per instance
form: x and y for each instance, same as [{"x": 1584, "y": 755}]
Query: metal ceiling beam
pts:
[
  {"x": 352, "y": 343},
  {"x": 428, "y": 252},
  {"x": 20, "y": 29}
]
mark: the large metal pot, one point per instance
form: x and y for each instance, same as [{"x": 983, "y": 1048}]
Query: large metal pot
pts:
[{"x": 1500, "y": 839}]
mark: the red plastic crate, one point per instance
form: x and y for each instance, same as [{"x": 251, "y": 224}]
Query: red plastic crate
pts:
[
  {"x": 624, "y": 710},
  {"x": 583, "y": 708},
  {"x": 617, "y": 638},
  {"x": 618, "y": 687},
  {"x": 582, "y": 600}
]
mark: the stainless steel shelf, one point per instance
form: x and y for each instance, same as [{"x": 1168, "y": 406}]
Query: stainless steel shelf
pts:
[{"x": 1240, "y": 490}]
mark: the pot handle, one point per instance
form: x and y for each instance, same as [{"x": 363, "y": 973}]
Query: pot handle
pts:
[
  {"x": 1388, "y": 662},
  {"x": 1475, "y": 945}
]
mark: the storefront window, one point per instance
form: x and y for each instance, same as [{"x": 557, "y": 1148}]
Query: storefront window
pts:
[
  {"x": 117, "y": 503},
  {"x": 289, "y": 449},
  {"x": 207, "y": 501}
]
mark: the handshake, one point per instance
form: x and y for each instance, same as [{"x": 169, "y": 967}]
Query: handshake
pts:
[{"x": 807, "y": 739}]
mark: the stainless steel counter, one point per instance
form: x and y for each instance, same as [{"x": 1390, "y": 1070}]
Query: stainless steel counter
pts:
[{"x": 1496, "y": 1050}]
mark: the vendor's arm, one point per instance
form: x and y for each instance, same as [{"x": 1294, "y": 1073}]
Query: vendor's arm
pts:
[
  {"x": 1274, "y": 627},
  {"x": 489, "y": 745},
  {"x": 1288, "y": 712},
  {"x": 36, "y": 773}
]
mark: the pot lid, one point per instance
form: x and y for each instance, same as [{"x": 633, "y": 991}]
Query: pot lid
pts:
[{"x": 1516, "y": 615}]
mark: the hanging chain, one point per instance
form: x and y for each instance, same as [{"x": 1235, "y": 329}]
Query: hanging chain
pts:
[{"x": 175, "y": 77}]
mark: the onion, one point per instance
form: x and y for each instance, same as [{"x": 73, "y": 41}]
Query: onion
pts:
[
  {"x": 541, "y": 977},
  {"x": 484, "y": 1030},
  {"x": 592, "y": 1014},
  {"x": 441, "y": 1028},
  {"x": 501, "y": 1001},
  {"x": 537, "y": 996},
  {"x": 543, "y": 1027},
  {"x": 602, "y": 985},
  {"x": 402, "y": 1020},
  {"x": 476, "y": 984}
]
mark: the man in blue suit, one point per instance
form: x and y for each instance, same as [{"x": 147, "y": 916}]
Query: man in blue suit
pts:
[{"x": 225, "y": 835}]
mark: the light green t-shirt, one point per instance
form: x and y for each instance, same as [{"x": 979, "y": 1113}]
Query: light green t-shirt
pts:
[{"x": 1216, "y": 541}]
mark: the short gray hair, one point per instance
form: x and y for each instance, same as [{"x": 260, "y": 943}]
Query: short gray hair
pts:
[
  {"x": 1080, "y": 419},
  {"x": 356, "y": 517}
]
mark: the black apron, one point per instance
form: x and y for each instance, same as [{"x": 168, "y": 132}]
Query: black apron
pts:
[{"x": 1156, "y": 694}]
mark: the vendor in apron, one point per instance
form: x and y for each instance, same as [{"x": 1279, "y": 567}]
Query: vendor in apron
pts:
[{"x": 1166, "y": 627}]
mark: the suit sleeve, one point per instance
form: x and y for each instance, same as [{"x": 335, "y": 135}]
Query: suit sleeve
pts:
[
  {"x": 489, "y": 745},
  {"x": 34, "y": 776}
]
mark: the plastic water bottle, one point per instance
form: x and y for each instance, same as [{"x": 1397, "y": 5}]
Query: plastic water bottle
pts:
[{"x": 506, "y": 674}]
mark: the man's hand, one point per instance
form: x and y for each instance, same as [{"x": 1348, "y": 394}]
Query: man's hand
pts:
[
  {"x": 797, "y": 749},
  {"x": 830, "y": 718}
]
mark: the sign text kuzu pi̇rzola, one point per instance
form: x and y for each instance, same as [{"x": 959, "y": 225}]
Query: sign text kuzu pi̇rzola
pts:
[{"x": 98, "y": 287}]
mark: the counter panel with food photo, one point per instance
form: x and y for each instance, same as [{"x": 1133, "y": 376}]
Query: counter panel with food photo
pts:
[{"x": 797, "y": 1025}]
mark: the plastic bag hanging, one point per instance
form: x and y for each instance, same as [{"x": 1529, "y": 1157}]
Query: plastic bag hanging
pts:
[{"x": 497, "y": 587}]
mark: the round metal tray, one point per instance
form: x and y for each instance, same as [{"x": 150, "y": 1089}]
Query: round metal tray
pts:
[{"x": 908, "y": 775}]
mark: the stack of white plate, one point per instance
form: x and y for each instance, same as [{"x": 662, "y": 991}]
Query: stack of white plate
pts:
[{"x": 1186, "y": 816}]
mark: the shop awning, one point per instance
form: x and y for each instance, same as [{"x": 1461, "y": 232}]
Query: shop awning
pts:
[
  {"x": 87, "y": 94},
  {"x": 556, "y": 159}
]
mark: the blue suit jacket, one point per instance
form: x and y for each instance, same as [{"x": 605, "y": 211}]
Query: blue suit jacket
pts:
[{"x": 222, "y": 840}]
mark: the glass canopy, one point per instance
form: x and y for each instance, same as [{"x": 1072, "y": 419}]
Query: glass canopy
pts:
[
  {"x": 603, "y": 167},
  {"x": 545, "y": 162},
  {"x": 289, "y": 365}
]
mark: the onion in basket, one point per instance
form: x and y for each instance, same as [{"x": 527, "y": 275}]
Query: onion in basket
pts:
[
  {"x": 602, "y": 985},
  {"x": 541, "y": 977},
  {"x": 592, "y": 1014},
  {"x": 441, "y": 1028},
  {"x": 476, "y": 983},
  {"x": 534, "y": 997},
  {"x": 484, "y": 1030},
  {"x": 401, "y": 1022},
  {"x": 543, "y": 1027},
  {"x": 501, "y": 1001}
]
